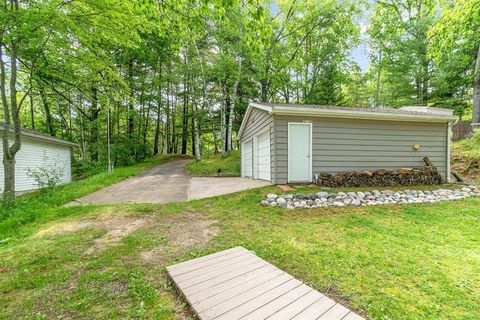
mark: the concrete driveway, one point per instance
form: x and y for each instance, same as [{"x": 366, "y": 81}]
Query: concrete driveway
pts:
[{"x": 167, "y": 183}]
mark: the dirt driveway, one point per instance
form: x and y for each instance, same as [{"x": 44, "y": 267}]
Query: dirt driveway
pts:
[{"x": 167, "y": 182}]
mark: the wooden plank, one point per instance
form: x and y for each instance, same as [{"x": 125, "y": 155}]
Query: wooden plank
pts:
[
  {"x": 202, "y": 264},
  {"x": 301, "y": 304},
  {"x": 352, "y": 316},
  {"x": 225, "y": 271},
  {"x": 219, "y": 288},
  {"x": 337, "y": 312},
  {"x": 212, "y": 272},
  {"x": 273, "y": 306},
  {"x": 258, "y": 301},
  {"x": 240, "y": 300},
  {"x": 316, "y": 309},
  {"x": 236, "y": 284},
  {"x": 198, "y": 272},
  {"x": 204, "y": 285},
  {"x": 237, "y": 290}
]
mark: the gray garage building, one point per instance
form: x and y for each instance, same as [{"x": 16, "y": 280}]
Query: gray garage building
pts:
[{"x": 285, "y": 143}]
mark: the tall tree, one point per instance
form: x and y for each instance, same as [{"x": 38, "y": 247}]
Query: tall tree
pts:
[{"x": 456, "y": 49}]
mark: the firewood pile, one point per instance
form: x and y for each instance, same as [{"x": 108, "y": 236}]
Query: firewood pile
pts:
[{"x": 427, "y": 175}]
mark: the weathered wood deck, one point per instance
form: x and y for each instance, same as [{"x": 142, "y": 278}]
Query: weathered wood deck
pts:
[{"x": 236, "y": 284}]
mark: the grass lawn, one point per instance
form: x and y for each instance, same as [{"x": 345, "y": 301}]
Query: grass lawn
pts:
[
  {"x": 228, "y": 164},
  {"x": 42, "y": 205},
  {"x": 103, "y": 262}
]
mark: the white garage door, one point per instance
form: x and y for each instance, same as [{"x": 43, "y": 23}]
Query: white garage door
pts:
[
  {"x": 264, "y": 156},
  {"x": 247, "y": 159}
]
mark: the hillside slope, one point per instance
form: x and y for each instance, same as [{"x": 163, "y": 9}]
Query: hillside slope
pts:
[{"x": 465, "y": 158}]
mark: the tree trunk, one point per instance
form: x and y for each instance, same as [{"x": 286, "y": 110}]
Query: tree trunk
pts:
[
  {"x": 196, "y": 130},
  {"x": 131, "y": 100},
  {"x": 233, "y": 100},
  {"x": 184, "y": 124},
  {"x": 157, "y": 120},
  {"x": 9, "y": 183},
  {"x": 157, "y": 131},
  {"x": 83, "y": 147},
  {"x": 32, "y": 113},
  {"x": 476, "y": 90},
  {"x": 48, "y": 113},
  {"x": 215, "y": 140},
  {"x": 93, "y": 145},
  {"x": 222, "y": 120},
  {"x": 167, "y": 122},
  {"x": 10, "y": 113}
]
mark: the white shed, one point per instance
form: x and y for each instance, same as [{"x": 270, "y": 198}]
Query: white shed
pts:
[{"x": 39, "y": 150}]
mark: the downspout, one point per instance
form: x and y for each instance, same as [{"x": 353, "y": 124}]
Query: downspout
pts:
[{"x": 449, "y": 142}]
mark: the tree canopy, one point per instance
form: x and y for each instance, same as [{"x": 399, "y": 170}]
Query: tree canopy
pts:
[{"x": 176, "y": 76}]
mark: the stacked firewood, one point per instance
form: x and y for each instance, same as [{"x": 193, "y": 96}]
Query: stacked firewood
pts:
[{"x": 427, "y": 175}]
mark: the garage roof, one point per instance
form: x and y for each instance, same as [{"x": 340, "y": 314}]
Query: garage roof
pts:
[
  {"x": 40, "y": 136},
  {"x": 415, "y": 113}
]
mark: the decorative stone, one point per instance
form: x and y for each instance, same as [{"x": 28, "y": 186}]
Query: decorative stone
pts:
[
  {"x": 356, "y": 202},
  {"x": 322, "y": 195},
  {"x": 264, "y": 203},
  {"x": 375, "y": 197}
]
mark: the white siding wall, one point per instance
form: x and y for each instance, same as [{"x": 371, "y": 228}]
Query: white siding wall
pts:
[{"x": 32, "y": 155}]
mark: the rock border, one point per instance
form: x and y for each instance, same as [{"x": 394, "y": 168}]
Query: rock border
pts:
[{"x": 367, "y": 198}]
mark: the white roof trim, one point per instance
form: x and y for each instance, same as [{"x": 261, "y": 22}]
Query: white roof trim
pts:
[
  {"x": 261, "y": 106},
  {"x": 39, "y": 136},
  {"x": 247, "y": 115},
  {"x": 351, "y": 114}
]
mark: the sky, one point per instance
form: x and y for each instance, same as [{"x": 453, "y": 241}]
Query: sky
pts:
[{"x": 359, "y": 53}]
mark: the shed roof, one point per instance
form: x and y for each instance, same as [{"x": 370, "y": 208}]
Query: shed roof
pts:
[
  {"x": 416, "y": 114},
  {"x": 40, "y": 136}
]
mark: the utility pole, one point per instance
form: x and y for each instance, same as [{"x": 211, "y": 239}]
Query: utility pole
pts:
[{"x": 108, "y": 137}]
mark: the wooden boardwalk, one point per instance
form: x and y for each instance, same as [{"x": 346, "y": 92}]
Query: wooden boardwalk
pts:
[{"x": 236, "y": 284}]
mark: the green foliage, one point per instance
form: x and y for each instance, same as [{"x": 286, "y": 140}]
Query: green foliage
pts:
[
  {"x": 48, "y": 174},
  {"x": 227, "y": 164}
]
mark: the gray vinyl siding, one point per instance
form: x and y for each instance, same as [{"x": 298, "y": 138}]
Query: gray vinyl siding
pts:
[
  {"x": 341, "y": 145},
  {"x": 257, "y": 122}
]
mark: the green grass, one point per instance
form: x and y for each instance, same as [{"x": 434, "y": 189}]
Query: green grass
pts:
[
  {"x": 387, "y": 262},
  {"x": 228, "y": 164},
  {"x": 46, "y": 204}
]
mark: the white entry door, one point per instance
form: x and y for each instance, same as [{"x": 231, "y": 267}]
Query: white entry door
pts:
[
  {"x": 247, "y": 159},
  {"x": 264, "y": 156},
  {"x": 299, "y": 152}
]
